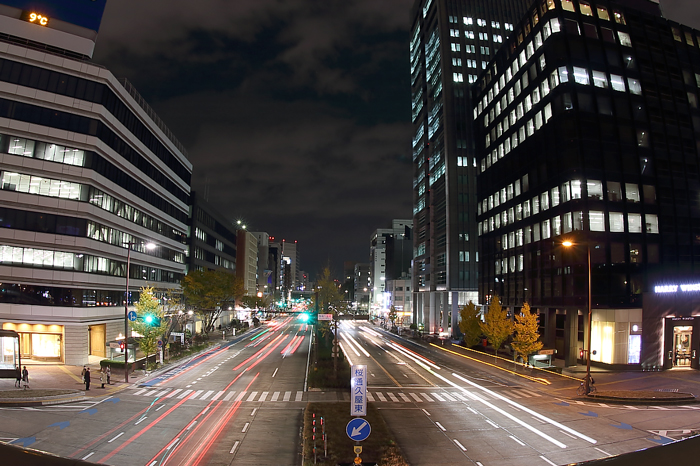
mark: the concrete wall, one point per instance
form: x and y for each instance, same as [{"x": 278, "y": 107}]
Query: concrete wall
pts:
[{"x": 75, "y": 345}]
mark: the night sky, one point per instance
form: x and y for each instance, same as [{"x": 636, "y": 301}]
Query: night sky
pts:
[{"x": 295, "y": 113}]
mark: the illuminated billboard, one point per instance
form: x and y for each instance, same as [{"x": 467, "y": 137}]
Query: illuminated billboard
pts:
[{"x": 84, "y": 13}]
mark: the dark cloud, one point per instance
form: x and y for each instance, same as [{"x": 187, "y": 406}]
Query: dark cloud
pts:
[{"x": 295, "y": 113}]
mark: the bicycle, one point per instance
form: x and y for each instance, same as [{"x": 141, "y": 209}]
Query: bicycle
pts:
[{"x": 581, "y": 390}]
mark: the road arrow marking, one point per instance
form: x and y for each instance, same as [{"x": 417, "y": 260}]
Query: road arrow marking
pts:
[
  {"x": 590, "y": 414},
  {"x": 90, "y": 411},
  {"x": 26, "y": 441},
  {"x": 661, "y": 440},
  {"x": 622, "y": 426},
  {"x": 60, "y": 425},
  {"x": 562, "y": 403},
  {"x": 357, "y": 430},
  {"x": 112, "y": 400}
]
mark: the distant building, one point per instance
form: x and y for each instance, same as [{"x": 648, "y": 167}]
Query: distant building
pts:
[
  {"x": 212, "y": 239},
  {"x": 88, "y": 169},
  {"x": 399, "y": 295},
  {"x": 247, "y": 261},
  {"x": 451, "y": 42},
  {"x": 362, "y": 287},
  {"x": 390, "y": 258}
]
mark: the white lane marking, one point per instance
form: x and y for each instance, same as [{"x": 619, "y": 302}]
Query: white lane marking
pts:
[
  {"x": 234, "y": 447},
  {"x": 479, "y": 464},
  {"x": 184, "y": 394},
  {"x": 188, "y": 386},
  {"x": 460, "y": 445},
  {"x": 426, "y": 412},
  {"x": 151, "y": 392},
  {"x": 553, "y": 464},
  {"x": 459, "y": 396},
  {"x": 567, "y": 434},
  {"x": 492, "y": 423},
  {"x": 118, "y": 435},
  {"x": 141, "y": 391},
  {"x": 196, "y": 394},
  {"x": 602, "y": 451},
  {"x": 216, "y": 397},
  {"x": 393, "y": 398},
  {"x": 88, "y": 455},
  {"x": 521, "y": 443},
  {"x": 538, "y": 420},
  {"x": 206, "y": 395},
  {"x": 230, "y": 395},
  {"x": 439, "y": 398},
  {"x": 170, "y": 395},
  {"x": 253, "y": 413},
  {"x": 440, "y": 426},
  {"x": 245, "y": 427},
  {"x": 416, "y": 397},
  {"x": 528, "y": 410},
  {"x": 425, "y": 395},
  {"x": 275, "y": 373},
  {"x": 252, "y": 396},
  {"x": 275, "y": 396},
  {"x": 299, "y": 395},
  {"x": 472, "y": 410},
  {"x": 140, "y": 420},
  {"x": 199, "y": 378},
  {"x": 191, "y": 425},
  {"x": 448, "y": 397},
  {"x": 160, "y": 407},
  {"x": 286, "y": 396},
  {"x": 381, "y": 396},
  {"x": 263, "y": 397},
  {"x": 240, "y": 395}
]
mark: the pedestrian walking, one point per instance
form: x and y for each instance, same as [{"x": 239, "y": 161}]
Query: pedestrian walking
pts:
[
  {"x": 25, "y": 377},
  {"x": 86, "y": 377},
  {"x": 103, "y": 377},
  {"x": 18, "y": 377},
  {"x": 82, "y": 374},
  {"x": 109, "y": 376}
]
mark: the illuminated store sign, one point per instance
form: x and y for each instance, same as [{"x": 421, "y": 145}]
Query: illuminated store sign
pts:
[
  {"x": 35, "y": 18},
  {"x": 675, "y": 288}
]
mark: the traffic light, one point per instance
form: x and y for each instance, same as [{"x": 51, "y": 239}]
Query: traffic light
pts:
[
  {"x": 304, "y": 317},
  {"x": 151, "y": 320},
  {"x": 121, "y": 346}
]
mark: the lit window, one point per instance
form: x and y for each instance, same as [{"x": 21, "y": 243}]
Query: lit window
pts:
[
  {"x": 652, "y": 223},
  {"x": 528, "y": 103},
  {"x": 631, "y": 192},
  {"x": 563, "y": 74},
  {"x": 617, "y": 83},
  {"x": 568, "y": 5},
  {"x": 522, "y": 58},
  {"x": 530, "y": 128},
  {"x": 596, "y": 221},
  {"x": 556, "y": 25},
  {"x": 581, "y": 75},
  {"x": 616, "y": 222},
  {"x": 546, "y": 30},
  {"x": 619, "y": 18},
  {"x": 458, "y": 78},
  {"x": 635, "y": 86},
  {"x": 547, "y": 112},
  {"x": 595, "y": 189},
  {"x": 536, "y": 96},
  {"x": 544, "y": 88},
  {"x": 600, "y": 80},
  {"x": 634, "y": 223},
  {"x": 530, "y": 49},
  {"x": 468, "y": 21},
  {"x": 624, "y": 39},
  {"x": 538, "y": 120},
  {"x": 538, "y": 40},
  {"x": 603, "y": 13},
  {"x": 456, "y": 62},
  {"x": 585, "y": 9},
  {"x": 455, "y": 47},
  {"x": 550, "y": 5}
]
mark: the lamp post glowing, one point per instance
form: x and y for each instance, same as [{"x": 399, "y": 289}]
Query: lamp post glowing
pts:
[
  {"x": 587, "y": 382},
  {"x": 126, "y": 306}
]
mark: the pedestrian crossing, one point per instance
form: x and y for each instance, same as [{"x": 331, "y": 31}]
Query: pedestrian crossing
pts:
[{"x": 382, "y": 396}]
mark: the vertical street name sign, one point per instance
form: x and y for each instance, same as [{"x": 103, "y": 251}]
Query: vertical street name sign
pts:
[{"x": 358, "y": 390}]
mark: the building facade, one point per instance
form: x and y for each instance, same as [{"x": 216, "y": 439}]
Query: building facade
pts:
[
  {"x": 212, "y": 240},
  {"x": 587, "y": 125},
  {"x": 87, "y": 170},
  {"x": 390, "y": 258},
  {"x": 247, "y": 261},
  {"x": 451, "y": 43}
]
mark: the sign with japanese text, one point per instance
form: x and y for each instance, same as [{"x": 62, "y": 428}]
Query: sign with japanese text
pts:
[
  {"x": 325, "y": 317},
  {"x": 358, "y": 390}
]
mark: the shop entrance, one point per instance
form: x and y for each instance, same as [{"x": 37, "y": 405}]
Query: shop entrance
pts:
[
  {"x": 682, "y": 339},
  {"x": 97, "y": 340}
]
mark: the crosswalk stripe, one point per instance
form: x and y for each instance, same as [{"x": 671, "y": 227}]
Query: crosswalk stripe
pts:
[
  {"x": 425, "y": 395},
  {"x": 263, "y": 397},
  {"x": 448, "y": 397},
  {"x": 241, "y": 395},
  {"x": 286, "y": 396},
  {"x": 151, "y": 392},
  {"x": 381, "y": 396},
  {"x": 206, "y": 395},
  {"x": 404, "y": 398},
  {"x": 252, "y": 396},
  {"x": 299, "y": 395},
  {"x": 438, "y": 397},
  {"x": 230, "y": 395},
  {"x": 216, "y": 397},
  {"x": 197, "y": 393},
  {"x": 522, "y": 393},
  {"x": 275, "y": 396},
  {"x": 173, "y": 393},
  {"x": 141, "y": 391},
  {"x": 370, "y": 397},
  {"x": 459, "y": 396},
  {"x": 184, "y": 394},
  {"x": 416, "y": 397},
  {"x": 161, "y": 394}
]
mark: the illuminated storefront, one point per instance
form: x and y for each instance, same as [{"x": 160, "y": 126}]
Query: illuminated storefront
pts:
[
  {"x": 39, "y": 342},
  {"x": 9, "y": 353},
  {"x": 616, "y": 336}
]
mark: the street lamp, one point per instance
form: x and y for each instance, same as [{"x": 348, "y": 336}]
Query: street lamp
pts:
[
  {"x": 126, "y": 305},
  {"x": 587, "y": 383}
]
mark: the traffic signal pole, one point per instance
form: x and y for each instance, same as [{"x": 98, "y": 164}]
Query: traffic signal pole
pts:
[{"x": 126, "y": 317}]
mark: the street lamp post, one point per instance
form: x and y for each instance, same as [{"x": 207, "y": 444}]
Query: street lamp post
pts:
[
  {"x": 126, "y": 306},
  {"x": 587, "y": 382}
]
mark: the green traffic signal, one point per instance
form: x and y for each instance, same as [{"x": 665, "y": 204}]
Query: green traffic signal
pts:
[
  {"x": 304, "y": 317},
  {"x": 149, "y": 319}
]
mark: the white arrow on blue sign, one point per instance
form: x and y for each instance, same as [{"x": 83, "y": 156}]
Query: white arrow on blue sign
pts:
[
  {"x": 358, "y": 429},
  {"x": 132, "y": 316}
]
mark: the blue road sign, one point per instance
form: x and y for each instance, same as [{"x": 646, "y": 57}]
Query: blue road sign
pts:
[
  {"x": 160, "y": 343},
  {"x": 132, "y": 316},
  {"x": 358, "y": 429}
]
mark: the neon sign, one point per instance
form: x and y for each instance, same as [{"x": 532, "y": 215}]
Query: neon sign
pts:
[
  {"x": 675, "y": 288},
  {"x": 35, "y": 18}
]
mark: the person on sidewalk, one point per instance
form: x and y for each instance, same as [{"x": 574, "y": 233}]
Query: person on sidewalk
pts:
[
  {"x": 25, "y": 377},
  {"x": 103, "y": 377},
  {"x": 86, "y": 378},
  {"x": 82, "y": 374},
  {"x": 109, "y": 375},
  {"x": 18, "y": 377}
]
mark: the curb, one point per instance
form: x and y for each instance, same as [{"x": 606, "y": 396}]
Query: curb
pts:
[
  {"x": 44, "y": 400},
  {"x": 642, "y": 401}
]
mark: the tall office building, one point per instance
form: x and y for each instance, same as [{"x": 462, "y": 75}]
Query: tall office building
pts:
[
  {"x": 87, "y": 169},
  {"x": 390, "y": 258},
  {"x": 212, "y": 239},
  {"x": 587, "y": 130},
  {"x": 451, "y": 43}
]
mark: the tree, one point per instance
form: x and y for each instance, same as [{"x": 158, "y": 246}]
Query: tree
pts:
[
  {"x": 208, "y": 292},
  {"x": 526, "y": 339},
  {"x": 497, "y": 327},
  {"x": 150, "y": 322},
  {"x": 469, "y": 321},
  {"x": 329, "y": 294},
  {"x": 393, "y": 314}
]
